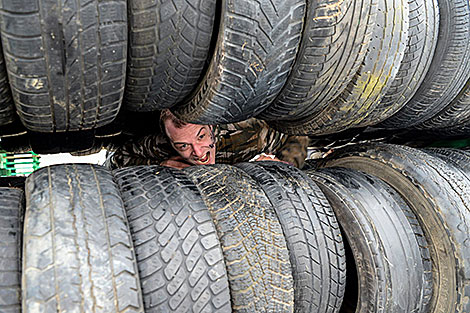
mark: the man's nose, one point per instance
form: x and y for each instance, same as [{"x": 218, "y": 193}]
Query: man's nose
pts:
[{"x": 198, "y": 150}]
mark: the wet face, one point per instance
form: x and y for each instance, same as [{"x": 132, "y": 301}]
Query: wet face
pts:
[{"x": 193, "y": 142}]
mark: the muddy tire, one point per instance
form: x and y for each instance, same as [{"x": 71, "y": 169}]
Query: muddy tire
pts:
[
  {"x": 178, "y": 252},
  {"x": 374, "y": 77},
  {"x": 312, "y": 235},
  {"x": 331, "y": 51},
  {"x": 254, "y": 248},
  {"x": 11, "y": 230},
  {"x": 78, "y": 252},
  {"x": 420, "y": 47}
]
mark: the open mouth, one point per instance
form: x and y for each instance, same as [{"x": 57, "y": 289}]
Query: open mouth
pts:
[{"x": 205, "y": 159}]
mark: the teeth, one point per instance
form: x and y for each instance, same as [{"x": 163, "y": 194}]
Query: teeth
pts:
[{"x": 205, "y": 159}]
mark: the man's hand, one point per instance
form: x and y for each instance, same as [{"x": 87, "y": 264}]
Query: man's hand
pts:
[{"x": 176, "y": 162}]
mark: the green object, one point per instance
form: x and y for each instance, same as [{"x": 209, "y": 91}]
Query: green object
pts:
[
  {"x": 18, "y": 164},
  {"x": 456, "y": 143}
]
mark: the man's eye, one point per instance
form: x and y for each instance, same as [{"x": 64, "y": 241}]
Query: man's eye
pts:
[
  {"x": 201, "y": 137},
  {"x": 182, "y": 147}
]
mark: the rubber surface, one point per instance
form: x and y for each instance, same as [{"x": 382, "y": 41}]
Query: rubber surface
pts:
[
  {"x": 334, "y": 43},
  {"x": 455, "y": 120},
  {"x": 458, "y": 158},
  {"x": 368, "y": 86},
  {"x": 448, "y": 73},
  {"x": 78, "y": 252},
  {"x": 392, "y": 274},
  {"x": 312, "y": 235},
  {"x": 420, "y": 47},
  {"x": 254, "y": 248},
  {"x": 7, "y": 107},
  {"x": 66, "y": 61},
  {"x": 438, "y": 194},
  {"x": 178, "y": 252},
  {"x": 11, "y": 226},
  {"x": 169, "y": 44},
  {"x": 255, "y": 50}
]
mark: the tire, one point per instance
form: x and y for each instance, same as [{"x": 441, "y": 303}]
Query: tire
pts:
[
  {"x": 96, "y": 148},
  {"x": 78, "y": 253},
  {"x": 458, "y": 158},
  {"x": 331, "y": 50},
  {"x": 449, "y": 71},
  {"x": 169, "y": 46},
  {"x": 104, "y": 138},
  {"x": 66, "y": 61},
  {"x": 368, "y": 86},
  {"x": 454, "y": 121},
  {"x": 312, "y": 235},
  {"x": 454, "y": 114},
  {"x": 14, "y": 137},
  {"x": 436, "y": 193},
  {"x": 420, "y": 47},
  {"x": 255, "y": 50},
  {"x": 11, "y": 226},
  {"x": 7, "y": 107},
  {"x": 178, "y": 252},
  {"x": 392, "y": 274},
  {"x": 254, "y": 248}
]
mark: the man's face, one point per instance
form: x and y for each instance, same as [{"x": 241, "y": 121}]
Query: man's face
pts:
[{"x": 193, "y": 142}]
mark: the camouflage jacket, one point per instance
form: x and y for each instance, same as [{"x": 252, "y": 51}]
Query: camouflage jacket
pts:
[{"x": 237, "y": 142}]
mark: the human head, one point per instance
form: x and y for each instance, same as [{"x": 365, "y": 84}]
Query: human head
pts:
[{"x": 193, "y": 142}]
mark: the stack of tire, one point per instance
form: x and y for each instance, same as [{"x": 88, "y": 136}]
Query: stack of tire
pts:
[
  {"x": 306, "y": 67},
  {"x": 371, "y": 228}
]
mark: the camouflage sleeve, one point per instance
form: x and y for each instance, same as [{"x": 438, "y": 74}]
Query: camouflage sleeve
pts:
[
  {"x": 294, "y": 150},
  {"x": 240, "y": 142},
  {"x": 148, "y": 150}
]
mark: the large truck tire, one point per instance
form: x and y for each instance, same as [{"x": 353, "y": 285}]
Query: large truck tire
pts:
[
  {"x": 254, "y": 53},
  {"x": 334, "y": 44},
  {"x": 393, "y": 268},
  {"x": 11, "y": 230},
  {"x": 312, "y": 234},
  {"x": 78, "y": 253},
  {"x": 66, "y": 61},
  {"x": 178, "y": 252},
  {"x": 437, "y": 193},
  {"x": 169, "y": 42},
  {"x": 253, "y": 244}
]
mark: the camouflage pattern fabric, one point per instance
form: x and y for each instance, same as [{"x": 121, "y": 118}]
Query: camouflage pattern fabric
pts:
[
  {"x": 294, "y": 150},
  {"x": 237, "y": 142}
]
